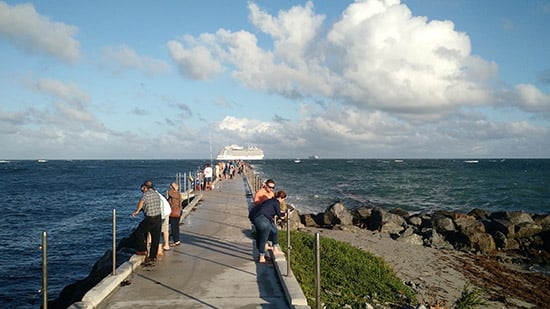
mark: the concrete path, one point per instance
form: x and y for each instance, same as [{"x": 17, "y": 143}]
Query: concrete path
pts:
[{"x": 214, "y": 267}]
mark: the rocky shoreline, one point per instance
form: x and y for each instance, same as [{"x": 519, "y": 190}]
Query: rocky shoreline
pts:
[{"x": 505, "y": 253}]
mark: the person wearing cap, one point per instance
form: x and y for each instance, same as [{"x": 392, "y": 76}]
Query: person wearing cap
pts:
[
  {"x": 265, "y": 193},
  {"x": 151, "y": 205}
]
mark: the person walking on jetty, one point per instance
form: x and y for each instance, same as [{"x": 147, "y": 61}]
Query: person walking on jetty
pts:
[
  {"x": 208, "y": 173},
  {"x": 165, "y": 221},
  {"x": 174, "y": 197},
  {"x": 265, "y": 192},
  {"x": 151, "y": 205},
  {"x": 262, "y": 216}
]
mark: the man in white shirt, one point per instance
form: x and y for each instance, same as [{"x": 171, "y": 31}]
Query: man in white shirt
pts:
[{"x": 208, "y": 177}]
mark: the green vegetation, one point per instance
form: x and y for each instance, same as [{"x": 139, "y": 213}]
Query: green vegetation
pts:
[
  {"x": 470, "y": 299},
  {"x": 349, "y": 276}
]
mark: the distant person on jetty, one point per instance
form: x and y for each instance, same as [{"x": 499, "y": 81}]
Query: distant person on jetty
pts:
[
  {"x": 217, "y": 171},
  {"x": 174, "y": 197},
  {"x": 151, "y": 205},
  {"x": 165, "y": 216},
  {"x": 208, "y": 177},
  {"x": 262, "y": 216},
  {"x": 226, "y": 170},
  {"x": 265, "y": 193}
]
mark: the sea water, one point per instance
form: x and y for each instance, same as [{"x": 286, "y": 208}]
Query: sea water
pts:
[
  {"x": 413, "y": 185},
  {"x": 73, "y": 202}
]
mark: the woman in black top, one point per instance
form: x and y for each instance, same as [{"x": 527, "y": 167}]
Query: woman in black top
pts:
[{"x": 262, "y": 216}]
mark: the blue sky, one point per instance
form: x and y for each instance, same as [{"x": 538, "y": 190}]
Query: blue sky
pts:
[{"x": 339, "y": 79}]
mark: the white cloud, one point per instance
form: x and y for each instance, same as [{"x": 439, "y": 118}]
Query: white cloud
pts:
[
  {"x": 35, "y": 33},
  {"x": 70, "y": 109},
  {"x": 123, "y": 58},
  {"x": 377, "y": 56},
  {"x": 530, "y": 98},
  {"x": 293, "y": 31},
  {"x": 394, "y": 61},
  {"x": 196, "y": 62},
  {"x": 67, "y": 92}
]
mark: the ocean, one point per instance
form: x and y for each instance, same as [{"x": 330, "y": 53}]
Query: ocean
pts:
[{"x": 72, "y": 201}]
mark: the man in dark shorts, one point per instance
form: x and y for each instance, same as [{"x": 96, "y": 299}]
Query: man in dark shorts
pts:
[{"x": 152, "y": 223}]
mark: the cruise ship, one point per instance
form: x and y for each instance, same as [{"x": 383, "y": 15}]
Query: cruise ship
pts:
[{"x": 236, "y": 152}]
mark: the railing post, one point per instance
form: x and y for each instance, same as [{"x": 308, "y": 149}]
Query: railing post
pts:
[
  {"x": 114, "y": 241},
  {"x": 317, "y": 272},
  {"x": 192, "y": 188},
  {"x": 185, "y": 182},
  {"x": 44, "y": 271},
  {"x": 288, "y": 246}
]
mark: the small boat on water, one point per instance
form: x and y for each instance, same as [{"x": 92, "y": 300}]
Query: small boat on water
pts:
[
  {"x": 236, "y": 152},
  {"x": 471, "y": 161},
  {"x": 297, "y": 161},
  {"x": 42, "y": 161}
]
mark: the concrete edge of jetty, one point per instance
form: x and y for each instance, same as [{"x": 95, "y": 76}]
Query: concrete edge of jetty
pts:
[
  {"x": 95, "y": 296},
  {"x": 293, "y": 292}
]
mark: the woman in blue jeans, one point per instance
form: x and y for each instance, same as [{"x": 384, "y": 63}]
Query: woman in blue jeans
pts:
[{"x": 262, "y": 216}]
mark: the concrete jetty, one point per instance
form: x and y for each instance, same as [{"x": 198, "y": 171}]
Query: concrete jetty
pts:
[{"x": 214, "y": 267}]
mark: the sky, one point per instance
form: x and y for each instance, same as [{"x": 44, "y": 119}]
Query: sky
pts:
[{"x": 338, "y": 79}]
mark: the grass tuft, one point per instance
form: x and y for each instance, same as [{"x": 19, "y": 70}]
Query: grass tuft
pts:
[{"x": 470, "y": 298}]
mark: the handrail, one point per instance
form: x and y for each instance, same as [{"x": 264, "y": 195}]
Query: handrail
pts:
[{"x": 44, "y": 246}]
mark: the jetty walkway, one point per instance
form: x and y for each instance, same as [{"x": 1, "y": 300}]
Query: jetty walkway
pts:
[{"x": 214, "y": 267}]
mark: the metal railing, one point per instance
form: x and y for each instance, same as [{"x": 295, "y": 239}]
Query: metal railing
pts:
[
  {"x": 189, "y": 188},
  {"x": 317, "y": 272}
]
